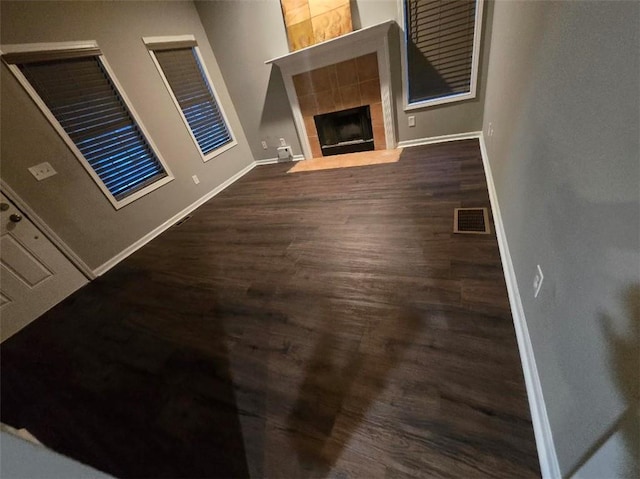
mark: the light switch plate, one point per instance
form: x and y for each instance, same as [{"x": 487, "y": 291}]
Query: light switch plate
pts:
[
  {"x": 42, "y": 171},
  {"x": 195, "y": 179}
]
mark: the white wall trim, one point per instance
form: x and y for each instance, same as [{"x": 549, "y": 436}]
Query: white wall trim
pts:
[
  {"x": 439, "y": 139},
  {"x": 169, "y": 38},
  {"x": 48, "y": 232},
  {"x": 542, "y": 429},
  {"x": 271, "y": 161},
  {"x": 100, "y": 270},
  {"x": 48, "y": 46}
]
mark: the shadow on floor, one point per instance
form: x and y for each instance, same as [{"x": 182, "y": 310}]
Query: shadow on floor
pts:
[
  {"x": 343, "y": 384},
  {"x": 130, "y": 376}
]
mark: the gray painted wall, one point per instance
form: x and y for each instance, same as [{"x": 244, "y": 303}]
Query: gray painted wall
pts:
[
  {"x": 450, "y": 118},
  {"x": 244, "y": 34},
  {"x": 70, "y": 202},
  {"x": 563, "y": 99}
]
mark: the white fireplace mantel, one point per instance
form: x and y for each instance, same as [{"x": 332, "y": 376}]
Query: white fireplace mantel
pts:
[{"x": 360, "y": 42}]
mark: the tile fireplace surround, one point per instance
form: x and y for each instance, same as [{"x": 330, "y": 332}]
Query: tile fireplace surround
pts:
[{"x": 345, "y": 72}]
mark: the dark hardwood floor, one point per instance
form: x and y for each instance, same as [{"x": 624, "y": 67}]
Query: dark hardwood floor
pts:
[{"x": 298, "y": 325}]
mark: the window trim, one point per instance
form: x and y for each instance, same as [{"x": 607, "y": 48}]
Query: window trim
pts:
[
  {"x": 62, "y": 46},
  {"x": 191, "y": 38},
  {"x": 477, "y": 38}
]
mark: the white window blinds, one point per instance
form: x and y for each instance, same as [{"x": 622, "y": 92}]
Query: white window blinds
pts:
[
  {"x": 440, "y": 47},
  {"x": 194, "y": 95},
  {"x": 82, "y": 97}
]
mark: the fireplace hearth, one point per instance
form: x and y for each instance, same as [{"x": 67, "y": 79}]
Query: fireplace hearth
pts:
[{"x": 345, "y": 131}]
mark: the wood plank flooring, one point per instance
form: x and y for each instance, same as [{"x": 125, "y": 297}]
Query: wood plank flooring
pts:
[{"x": 322, "y": 324}]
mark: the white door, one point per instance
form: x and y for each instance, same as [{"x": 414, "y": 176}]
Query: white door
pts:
[{"x": 34, "y": 274}]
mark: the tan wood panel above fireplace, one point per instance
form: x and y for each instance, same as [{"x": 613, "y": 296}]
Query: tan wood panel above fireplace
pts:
[
  {"x": 313, "y": 21},
  {"x": 340, "y": 86}
]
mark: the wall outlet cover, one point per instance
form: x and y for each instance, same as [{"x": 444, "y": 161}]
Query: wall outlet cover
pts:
[
  {"x": 264, "y": 145},
  {"x": 537, "y": 282},
  {"x": 42, "y": 171},
  {"x": 283, "y": 142},
  {"x": 411, "y": 120},
  {"x": 195, "y": 179}
]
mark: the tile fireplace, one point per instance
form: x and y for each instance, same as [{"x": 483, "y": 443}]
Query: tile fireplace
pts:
[
  {"x": 337, "y": 76},
  {"x": 337, "y": 87}
]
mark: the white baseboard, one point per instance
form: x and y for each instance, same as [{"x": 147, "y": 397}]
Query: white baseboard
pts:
[
  {"x": 542, "y": 430},
  {"x": 100, "y": 270},
  {"x": 439, "y": 139},
  {"x": 271, "y": 161}
]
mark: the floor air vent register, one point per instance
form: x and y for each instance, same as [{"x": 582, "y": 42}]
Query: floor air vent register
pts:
[{"x": 471, "y": 221}]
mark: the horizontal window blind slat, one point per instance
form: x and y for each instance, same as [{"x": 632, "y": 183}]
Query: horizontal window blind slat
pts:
[
  {"x": 81, "y": 134},
  {"x": 209, "y": 130},
  {"x": 210, "y": 139},
  {"x": 197, "y": 118},
  {"x": 111, "y": 161},
  {"x": 93, "y": 121},
  {"x": 87, "y": 106},
  {"x": 108, "y": 137},
  {"x": 127, "y": 169},
  {"x": 203, "y": 113},
  {"x": 135, "y": 176},
  {"x": 83, "y": 99},
  {"x": 439, "y": 19},
  {"x": 111, "y": 150},
  {"x": 90, "y": 117},
  {"x": 213, "y": 145},
  {"x": 212, "y": 136}
]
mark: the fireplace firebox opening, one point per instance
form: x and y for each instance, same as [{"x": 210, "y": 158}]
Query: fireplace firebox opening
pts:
[{"x": 345, "y": 131}]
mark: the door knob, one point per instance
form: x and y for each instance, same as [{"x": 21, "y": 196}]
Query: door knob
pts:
[{"x": 15, "y": 218}]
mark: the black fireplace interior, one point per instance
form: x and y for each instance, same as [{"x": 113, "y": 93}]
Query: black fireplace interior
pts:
[{"x": 345, "y": 131}]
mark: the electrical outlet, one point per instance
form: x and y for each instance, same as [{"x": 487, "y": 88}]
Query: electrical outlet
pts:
[
  {"x": 412, "y": 120},
  {"x": 195, "y": 179},
  {"x": 490, "y": 130},
  {"x": 537, "y": 282},
  {"x": 264, "y": 145},
  {"x": 42, "y": 171},
  {"x": 283, "y": 142}
]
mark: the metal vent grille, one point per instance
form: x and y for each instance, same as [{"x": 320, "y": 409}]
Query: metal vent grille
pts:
[{"x": 471, "y": 221}]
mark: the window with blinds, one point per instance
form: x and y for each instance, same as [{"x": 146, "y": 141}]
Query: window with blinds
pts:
[
  {"x": 79, "y": 93},
  {"x": 442, "y": 38},
  {"x": 183, "y": 72}
]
